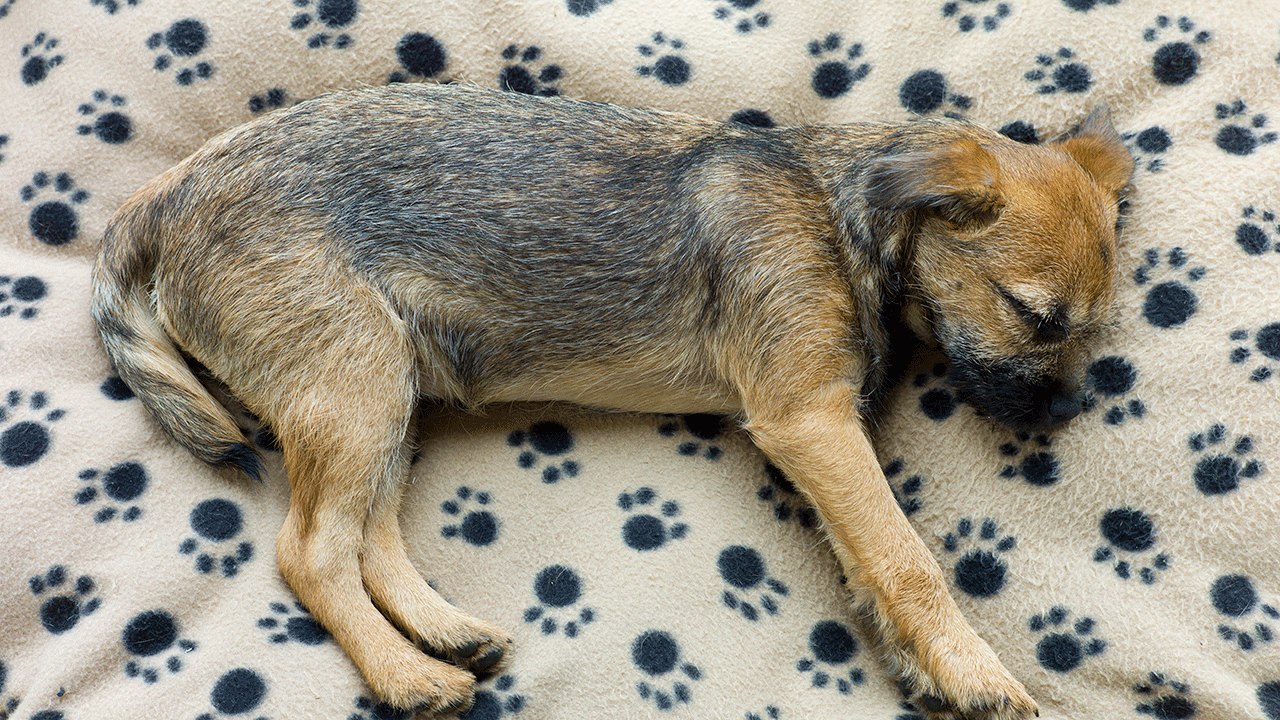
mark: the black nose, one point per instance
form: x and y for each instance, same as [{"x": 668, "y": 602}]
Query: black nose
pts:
[{"x": 1063, "y": 407}]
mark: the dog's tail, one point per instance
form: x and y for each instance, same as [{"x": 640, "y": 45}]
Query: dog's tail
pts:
[{"x": 143, "y": 353}]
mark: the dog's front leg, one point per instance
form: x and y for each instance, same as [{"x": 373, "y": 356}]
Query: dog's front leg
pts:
[{"x": 819, "y": 441}]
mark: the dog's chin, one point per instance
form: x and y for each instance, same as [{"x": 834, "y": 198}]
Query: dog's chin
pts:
[{"x": 1031, "y": 403}]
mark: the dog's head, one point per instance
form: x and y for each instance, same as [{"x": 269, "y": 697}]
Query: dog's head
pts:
[{"x": 1013, "y": 261}]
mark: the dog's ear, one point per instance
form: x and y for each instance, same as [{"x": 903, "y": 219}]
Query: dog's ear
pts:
[
  {"x": 960, "y": 182},
  {"x": 1097, "y": 147}
]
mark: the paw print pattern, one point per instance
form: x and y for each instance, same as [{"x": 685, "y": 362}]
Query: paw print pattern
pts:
[
  {"x": 1254, "y": 236},
  {"x": 704, "y": 429},
  {"x": 1219, "y": 471},
  {"x": 219, "y": 522},
  {"x": 1236, "y": 598},
  {"x": 237, "y": 692},
  {"x": 477, "y": 527},
  {"x": 1109, "y": 379},
  {"x": 1130, "y": 537},
  {"x": 1064, "y": 647},
  {"x": 117, "y": 488},
  {"x": 980, "y": 572},
  {"x": 1021, "y": 131},
  {"x": 833, "y": 77},
  {"x": 1148, "y": 147},
  {"x": 110, "y": 126},
  {"x": 1055, "y": 72},
  {"x": 926, "y": 91},
  {"x": 787, "y": 502},
  {"x": 153, "y": 636},
  {"x": 421, "y": 56},
  {"x": 1237, "y": 139},
  {"x": 1266, "y": 341},
  {"x": 519, "y": 78},
  {"x": 670, "y": 68},
  {"x": 583, "y": 8},
  {"x": 642, "y": 531},
  {"x": 750, "y": 117},
  {"x": 292, "y": 623},
  {"x": 40, "y": 59},
  {"x": 970, "y": 14},
  {"x": 53, "y": 222},
  {"x": 326, "y": 16},
  {"x": 1030, "y": 459},
  {"x": 4, "y": 140},
  {"x": 19, "y": 296},
  {"x": 1164, "y": 699},
  {"x": 177, "y": 46},
  {"x": 937, "y": 403},
  {"x": 558, "y": 589},
  {"x": 906, "y": 491},
  {"x": 743, "y": 569},
  {"x": 368, "y": 709},
  {"x": 113, "y": 6},
  {"x": 25, "y": 442},
  {"x": 770, "y": 712},
  {"x": 657, "y": 654},
  {"x": 63, "y": 603},
  {"x": 833, "y": 649},
  {"x": 269, "y": 100},
  {"x": 1172, "y": 302},
  {"x": 497, "y": 703},
  {"x": 549, "y": 439},
  {"x": 740, "y": 12},
  {"x": 1175, "y": 62}
]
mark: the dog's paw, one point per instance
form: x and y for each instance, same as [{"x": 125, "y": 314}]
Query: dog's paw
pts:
[
  {"x": 417, "y": 683},
  {"x": 468, "y": 643},
  {"x": 979, "y": 688}
]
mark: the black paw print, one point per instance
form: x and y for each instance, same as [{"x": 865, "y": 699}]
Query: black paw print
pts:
[
  {"x": 740, "y": 12},
  {"x": 1109, "y": 379},
  {"x": 1087, "y": 5},
  {"x": 217, "y": 521},
  {"x": 121, "y": 484},
  {"x": 4, "y": 140},
  {"x": 550, "y": 439},
  {"x": 1037, "y": 465},
  {"x": 292, "y": 623},
  {"x": 703, "y": 427},
  {"x": 742, "y": 568},
  {"x": 558, "y": 589},
  {"x": 753, "y": 118},
  {"x": 787, "y": 502},
  {"x": 1063, "y": 649},
  {"x": 1021, "y": 131},
  {"x": 1252, "y": 236},
  {"x": 25, "y": 442},
  {"x": 1055, "y": 72},
  {"x": 269, "y": 100},
  {"x": 1148, "y": 147},
  {"x": 147, "y": 637},
  {"x": 61, "y": 611},
  {"x": 968, "y": 15},
  {"x": 237, "y": 692},
  {"x": 113, "y": 6},
  {"x": 369, "y": 709},
  {"x": 1218, "y": 473},
  {"x": 1238, "y": 139},
  {"x": 770, "y": 712},
  {"x": 518, "y": 78},
  {"x": 18, "y": 296},
  {"x": 833, "y": 648},
  {"x": 178, "y": 45},
  {"x": 1164, "y": 699},
  {"x": 1172, "y": 302},
  {"x": 1267, "y": 342},
  {"x": 1235, "y": 597},
  {"x": 980, "y": 572},
  {"x": 1176, "y": 62},
  {"x": 833, "y": 78},
  {"x": 497, "y": 703},
  {"x": 328, "y": 16},
  {"x": 1131, "y": 534},
  {"x": 421, "y": 56},
  {"x": 657, "y": 654},
  {"x": 905, "y": 492},
  {"x": 40, "y": 59},
  {"x": 926, "y": 91},
  {"x": 642, "y": 531},
  {"x": 583, "y": 8},
  {"x": 113, "y": 388},
  {"x": 937, "y": 403},
  {"x": 478, "y": 527},
  {"x": 110, "y": 126},
  {"x": 670, "y": 68},
  {"x": 53, "y": 222}
]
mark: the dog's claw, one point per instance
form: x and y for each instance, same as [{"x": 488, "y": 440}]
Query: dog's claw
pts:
[
  {"x": 468, "y": 649},
  {"x": 933, "y": 703},
  {"x": 487, "y": 660}
]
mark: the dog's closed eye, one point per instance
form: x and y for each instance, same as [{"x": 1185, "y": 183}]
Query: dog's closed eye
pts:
[{"x": 1048, "y": 327}]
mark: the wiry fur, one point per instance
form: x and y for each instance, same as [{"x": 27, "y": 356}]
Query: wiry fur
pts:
[{"x": 336, "y": 263}]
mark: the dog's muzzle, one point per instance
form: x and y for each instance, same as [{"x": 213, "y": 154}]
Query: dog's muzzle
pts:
[{"x": 1024, "y": 402}]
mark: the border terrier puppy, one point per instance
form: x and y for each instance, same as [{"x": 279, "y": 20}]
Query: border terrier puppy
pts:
[{"x": 336, "y": 263}]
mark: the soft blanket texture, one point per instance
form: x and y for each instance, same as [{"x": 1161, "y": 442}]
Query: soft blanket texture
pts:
[{"x": 1126, "y": 566}]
